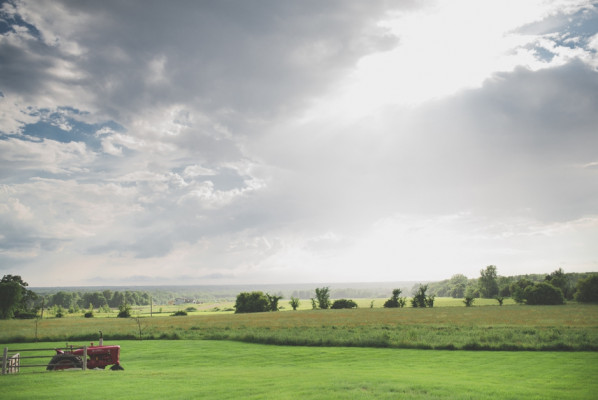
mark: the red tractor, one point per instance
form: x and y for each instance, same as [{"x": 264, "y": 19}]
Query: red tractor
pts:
[{"x": 97, "y": 357}]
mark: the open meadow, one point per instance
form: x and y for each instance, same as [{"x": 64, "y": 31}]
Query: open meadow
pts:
[
  {"x": 371, "y": 353},
  {"x": 185, "y": 369},
  {"x": 514, "y": 327}
]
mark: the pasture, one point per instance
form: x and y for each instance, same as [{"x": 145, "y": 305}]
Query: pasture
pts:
[
  {"x": 190, "y": 369},
  {"x": 514, "y": 327}
]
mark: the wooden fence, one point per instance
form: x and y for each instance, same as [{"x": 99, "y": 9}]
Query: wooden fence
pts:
[{"x": 11, "y": 359}]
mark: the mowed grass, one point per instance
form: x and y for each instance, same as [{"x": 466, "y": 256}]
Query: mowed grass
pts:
[
  {"x": 230, "y": 370},
  {"x": 568, "y": 327}
]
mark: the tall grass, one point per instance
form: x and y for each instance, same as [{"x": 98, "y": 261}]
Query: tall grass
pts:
[{"x": 571, "y": 327}]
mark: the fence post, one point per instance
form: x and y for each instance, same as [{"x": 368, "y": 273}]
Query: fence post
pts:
[
  {"x": 4, "y": 361},
  {"x": 84, "y": 358}
]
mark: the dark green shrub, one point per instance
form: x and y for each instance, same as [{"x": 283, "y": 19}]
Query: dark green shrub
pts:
[
  {"x": 395, "y": 301},
  {"x": 500, "y": 300},
  {"x": 273, "y": 301},
  {"x": 343, "y": 303},
  {"x": 20, "y": 314},
  {"x": 294, "y": 302},
  {"x": 518, "y": 289},
  {"x": 469, "y": 301},
  {"x": 190, "y": 309},
  {"x": 179, "y": 313},
  {"x": 543, "y": 294},
  {"x": 430, "y": 301},
  {"x": 587, "y": 290},
  {"x": 251, "y": 302},
  {"x": 88, "y": 314},
  {"x": 420, "y": 299},
  {"x": 124, "y": 311}
]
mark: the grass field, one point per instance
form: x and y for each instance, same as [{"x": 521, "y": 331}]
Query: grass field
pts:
[
  {"x": 227, "y": 307},
  {"x": 514, "y": 327},
  {"x": 230, "y": 370}
]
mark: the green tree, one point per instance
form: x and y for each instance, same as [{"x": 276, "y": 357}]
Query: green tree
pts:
[
  {"x": 294, "y": 303},
  {"x": 97, "y": 299},
  {"x": 252, "y": 302},
  {"x": 117, "y": 299},
  {"x": 487, "y": 282},
  {"x": 273, "y": 301},
  {"x": 323, "y": 297},
  {"x": 468, "y": 301},
  {"x": 518, "y": 289},
  {"x": 543, "y": 293},
  {"x": 15, "y": 299},
  {"x": 395, "y": 300},
  {"x": 124, "y": 310},
  {"x": 420, "y": 298},
  {"x": 343, "y": 303},
  {"x": 560, "y": 280},
  {"x": 587, "y": 289},
  {"x": 10, "y": 298},
  {"x": 457, "y": 285},
  {"x": 64, "y": 299},
  {"x": 430, "y": 301},
  {"x": 58, "y": 311}
]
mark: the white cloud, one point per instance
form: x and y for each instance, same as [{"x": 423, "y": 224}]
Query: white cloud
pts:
[
  {"x": 46, "y": 155},
  {"x": 283, "y": 141}
]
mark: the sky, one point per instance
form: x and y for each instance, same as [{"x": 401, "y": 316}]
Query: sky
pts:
[{"x": 266, "y": 141}]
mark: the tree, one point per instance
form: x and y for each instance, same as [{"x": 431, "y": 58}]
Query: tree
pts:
[
  {"x": 543, "y": 294},
  {"x": 430, "y": 301},
  {"x": 256, "y": 302},
  {"x": 97, "y": 299},
  {"x": 314, "y": 305},
  {"x": 323, "y": 297},
  {"x": 273, "y": 302},
  {"x": 15, "y": 299},
  {"x": 518, "y": 289},
  {"x": 395, "y": 301},
  {"x": 294, "y": 303},
  {"x": 457, "y": 285},
  {"x": 124, "y": 310},
  {"x": 10, "y": 298},
  {"x": 420, "y": 299},
  {"x": 63, "y": 299},
  {"x": 343, "y": 303},
  {"x": 560, "y": 280},
  {"x": 487, "y": 282},
  {"x": 468, "y": 301},
  {"x": 587, "y": 290}
]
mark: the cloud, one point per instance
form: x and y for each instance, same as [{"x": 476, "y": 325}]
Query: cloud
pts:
[{"x": 278, "y": 141}]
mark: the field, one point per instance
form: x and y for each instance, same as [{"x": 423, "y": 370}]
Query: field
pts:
[
  {"x": 514, "y": 327},
  {"x": 325, "y": 354},
  {"x": 230, "y": 370}
]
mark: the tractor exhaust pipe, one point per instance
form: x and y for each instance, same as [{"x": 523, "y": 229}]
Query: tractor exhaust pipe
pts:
[{"x": 101, "y": 339}]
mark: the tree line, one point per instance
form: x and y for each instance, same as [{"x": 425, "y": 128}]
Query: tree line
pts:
[
  {"x": 17, "y": 300},
  {"x": 491, "y": 285},
  {"x": 550, "y": 289}
]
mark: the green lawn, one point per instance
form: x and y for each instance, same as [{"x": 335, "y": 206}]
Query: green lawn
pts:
[{"x": 231, "y": 370}]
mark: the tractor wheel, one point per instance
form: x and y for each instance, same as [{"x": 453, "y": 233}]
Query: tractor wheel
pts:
[
  {"x": 64, "y": 361},
  {"x": 117, "y": 367}
]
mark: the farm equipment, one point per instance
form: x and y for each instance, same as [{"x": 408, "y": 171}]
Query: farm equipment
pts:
[{"x": 97, "y": 357}]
